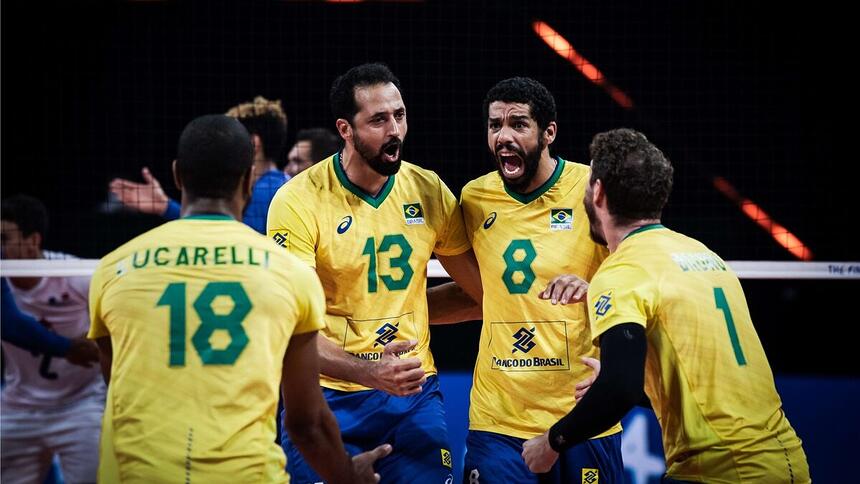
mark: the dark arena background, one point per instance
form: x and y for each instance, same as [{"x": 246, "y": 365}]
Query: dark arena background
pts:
[{"x": 748, "y": 99}]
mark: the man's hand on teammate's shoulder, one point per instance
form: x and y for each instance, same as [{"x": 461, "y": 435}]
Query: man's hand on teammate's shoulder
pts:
[
  {"x": 395, "y": 375},
  {"x": 565, "y": 289},
  {"x": 82, "y": 352},
  {"x": 362, "y": 464}
]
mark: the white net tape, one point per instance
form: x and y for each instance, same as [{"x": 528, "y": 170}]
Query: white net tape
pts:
[{"x": 744, "y": 269}]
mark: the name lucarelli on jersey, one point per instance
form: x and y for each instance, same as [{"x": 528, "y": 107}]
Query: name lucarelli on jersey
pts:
[{"x": 194, "y": 256}]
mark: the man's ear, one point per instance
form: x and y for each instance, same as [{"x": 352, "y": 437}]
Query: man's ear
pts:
[
  {"x": 248, "y": 182},
  {"x": 34, "y": 242},
  {"x": 550, "y": 133},
  {"x": 177, "y": 180},
  {"x": 598, "y": 194},
  {"x": 344, "y": 129},
  {"x": 258, "y": 146}
]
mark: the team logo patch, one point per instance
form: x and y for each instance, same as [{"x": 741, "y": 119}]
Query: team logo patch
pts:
[
  {"x": 281, "y": 237},
  {"x": 344, "y": 224},
  {"x": 590, "y": 476},
  {"x": 413, "y": 213},
  {"x": 603, "y": 304},
  {"x": 489, "y": 222},
  {"x": 561, "y": 219},
  {"x": 446, "y": 458},
  {"x": 529, "y": 346},
  {"x": 387, "y": 332},
  {"x": 524, "y": 339}
]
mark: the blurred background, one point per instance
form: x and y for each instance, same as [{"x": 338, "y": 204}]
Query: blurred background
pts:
[{"x": 747, "y": 99}]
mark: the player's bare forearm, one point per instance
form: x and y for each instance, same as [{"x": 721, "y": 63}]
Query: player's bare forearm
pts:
[
  {"x": 462, "y": 299},
  {"x": 448, "y": 303},
  {"x": 391, "y": 374},
  {"x": 307, "y": 417},
  {"x": 463, "y": 269},
  {"x": 319, "y": 442},
  {"x": 337, "y": 363}
]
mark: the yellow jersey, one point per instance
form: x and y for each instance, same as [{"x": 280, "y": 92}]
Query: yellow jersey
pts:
[
  {"x": 706, "y": 372},
  {"x": 199, "y": 312},
  {"x": 529, "y": 356},
  {"x": 370, "y": 253}
]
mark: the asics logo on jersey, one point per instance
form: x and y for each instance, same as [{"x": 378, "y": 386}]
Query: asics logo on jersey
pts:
[
  {"x": 524, "y": 341},
  {"x": 490, "y": 220},
  {"x": 386, "y": 333},
  {"x": 603, "y": 304},
  {"x": 344, "y": 224}
]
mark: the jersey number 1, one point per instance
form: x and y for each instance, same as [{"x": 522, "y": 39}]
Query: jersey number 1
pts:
[
  {"x": 723, "y": 305},
  {"x": 174, "y": 297}
]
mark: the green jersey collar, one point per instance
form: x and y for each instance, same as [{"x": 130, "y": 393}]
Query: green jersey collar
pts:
[
  {"x": 644, "y": 228},
  {"x": 374, "y": 202},
  {"x": 536, "y": 193}
]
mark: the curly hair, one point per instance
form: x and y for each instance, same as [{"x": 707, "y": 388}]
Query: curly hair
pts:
[
  {"x": 635, "y": 174},
  {"x": 527, "y": 91},
  {"x": 342, "y": 95},
  {"x": 267, "y": 120}
]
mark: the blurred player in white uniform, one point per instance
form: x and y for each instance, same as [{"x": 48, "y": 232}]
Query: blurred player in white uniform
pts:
[{"x": 48, "y": 406}]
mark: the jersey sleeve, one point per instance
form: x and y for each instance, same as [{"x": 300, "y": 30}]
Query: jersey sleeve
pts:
[
  {"x": 452, "y": 239},
  {"x": 98, "y": 329},
  {"x": 291, "y": 224},
  {"x": 620, "y": 294},
  {"x": 310, "y": 301},
  {"x": 469, "y": 209}
]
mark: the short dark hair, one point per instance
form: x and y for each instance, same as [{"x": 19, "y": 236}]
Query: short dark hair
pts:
[
  {"x": 342, "y": 95},
  {"x": 636, "y": 175},
  {"x": 267, "y": 120},
  {"x": 323, "y": 142},
  {"x": 28, "y": 213},
  {"x": 214, "y": 152},
  {"x": 527, "y": 91}
]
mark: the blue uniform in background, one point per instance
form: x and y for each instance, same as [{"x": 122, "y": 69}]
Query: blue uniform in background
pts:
[
  {"x": 23, "y": 331},
  {"x": 255, "y": 213}
]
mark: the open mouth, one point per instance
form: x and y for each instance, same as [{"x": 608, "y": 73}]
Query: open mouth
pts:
[
  {"x": 391, "y": 152},
  {"x": 511, "y": 164}
]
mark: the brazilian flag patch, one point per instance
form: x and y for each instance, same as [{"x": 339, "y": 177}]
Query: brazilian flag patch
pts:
[
  {"x": 561, "y": 219},
  {"x": 413, "y": 213}
]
